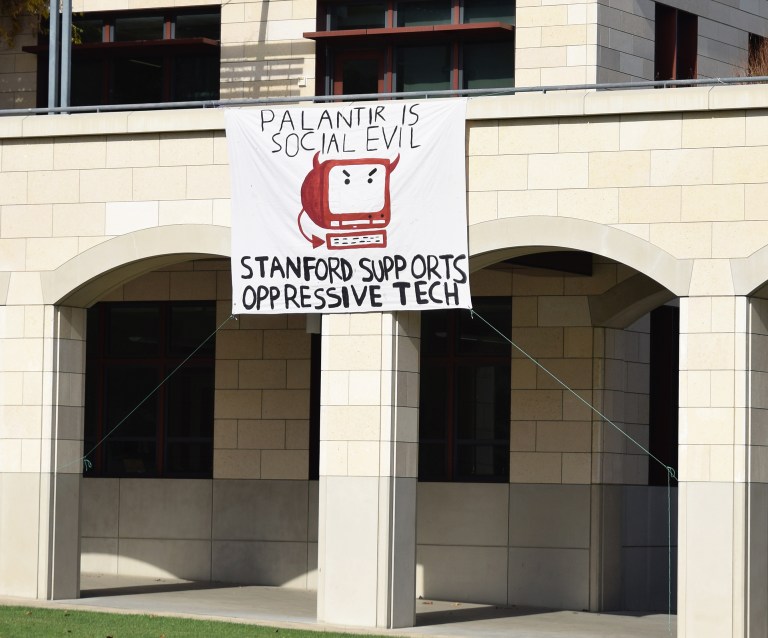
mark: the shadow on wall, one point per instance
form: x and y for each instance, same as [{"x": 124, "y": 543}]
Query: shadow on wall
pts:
[
  {"x": 266, "y": 69},
  {"x": 252, "y": 532},
  {"x": 528, "y": 545}
]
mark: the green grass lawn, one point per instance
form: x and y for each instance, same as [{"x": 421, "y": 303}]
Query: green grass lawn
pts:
[{"x": 28, "y": 622}]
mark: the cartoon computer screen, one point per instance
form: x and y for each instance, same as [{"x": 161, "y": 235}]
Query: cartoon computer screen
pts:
[{"x": 346, "y": 203}]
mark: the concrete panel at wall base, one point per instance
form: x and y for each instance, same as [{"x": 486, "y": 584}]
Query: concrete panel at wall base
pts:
[
  {"x": 188, "y": 559},
  {"x": 555, "y": 516},
  {"x": 649, "y": 519},
  {"x": 99, "y": 503},
  {"x": 271, "y": 563},
  {"x": 260, "y": 530},
  {"x": 462, "y": 514},
  {"x": 98, "y": 555},
  {"x": 549, "y": 577},
  {"x": 462, "y": 573},
  {"x": 165, "y": 508},
  {"x": 260, "y": 510},
  {"x": 19, "y": 495},
  {"x": 647, "y": 583},
  {"x": 649, "y": 543}
]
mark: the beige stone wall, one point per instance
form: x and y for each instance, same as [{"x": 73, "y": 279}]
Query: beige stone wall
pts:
[
  {"x": 263, "y": 53},
  {"x": 262, "y": 397},
  {"x": 669, "y": 183},
  {"x": 681, "y": 183},
  {"x": 556, "y": 42},
  {"x": 624, "y": 380},
  {"x": 555, "y": 438}
]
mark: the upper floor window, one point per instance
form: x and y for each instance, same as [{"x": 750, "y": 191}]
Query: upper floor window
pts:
[
  {"x": 140, "y": 57},
  {"x": 164, "y": 431},
  {"x": 675, "y": 47},
  {"x": 405, "y": 45}
]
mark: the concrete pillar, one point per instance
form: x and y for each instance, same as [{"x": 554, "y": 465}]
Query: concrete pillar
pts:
[
  {"x": 368, "y": 470},
  {"x": 723, "y": 525},
  {"x": 42, "y": 359}
]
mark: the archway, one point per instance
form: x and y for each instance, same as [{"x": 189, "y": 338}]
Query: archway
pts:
[
  {"x": 188, "y": 523},
  {"x": 560, "y": 531}
]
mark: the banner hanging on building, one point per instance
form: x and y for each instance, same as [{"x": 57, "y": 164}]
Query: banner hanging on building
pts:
[{"x": 350, "y": 208}]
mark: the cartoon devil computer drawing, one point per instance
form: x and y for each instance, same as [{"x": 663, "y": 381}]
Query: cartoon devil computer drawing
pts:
[{"x": 346, "y": 203}]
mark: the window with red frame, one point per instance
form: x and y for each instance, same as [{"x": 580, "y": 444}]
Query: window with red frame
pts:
[
  {"x": 140, "y": 57},
  {"x": 130, "y": 349},
  {"x": 407, "y": 45}
]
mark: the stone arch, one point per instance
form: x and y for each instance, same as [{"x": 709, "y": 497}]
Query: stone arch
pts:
[
  {"x": 84, "y": 279},
  {"x": 493, "y": 241},
  {"x": 750, "y": 274}
]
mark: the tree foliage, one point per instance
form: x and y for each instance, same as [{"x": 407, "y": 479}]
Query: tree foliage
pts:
[
  {"x": 757, "y": 65},
  {"x": 13, "y": 12}
]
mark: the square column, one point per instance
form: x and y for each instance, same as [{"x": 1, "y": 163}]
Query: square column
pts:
[
  {"x": 723, "y": 511},
  {"x": 368, "y": 470},
  {"x": 42, "y": 359}
]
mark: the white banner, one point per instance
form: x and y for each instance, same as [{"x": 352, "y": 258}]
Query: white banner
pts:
[{"x": 351, "y": 208}]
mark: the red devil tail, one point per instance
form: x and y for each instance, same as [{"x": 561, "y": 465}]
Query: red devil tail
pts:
[{"x": 314, "y": 240}]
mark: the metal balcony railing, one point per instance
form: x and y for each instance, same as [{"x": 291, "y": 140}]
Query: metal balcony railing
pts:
[{"x": 304, "y": 99}]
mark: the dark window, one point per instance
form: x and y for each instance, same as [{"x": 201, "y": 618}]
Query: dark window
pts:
[
  {"x": 356, "y": 15},
  {"x": 423, "y": 68},
  {"x": 358, "y": 72},
  {"x": 664, "y": 375},
  {"x": 418, "y": 14},
  {"x": 757, "y": 62},
  {"x": 489, "y": 11},
  {"x": 314, "y": 407},
  {"x": 134, "y": 28},
  {"x": 407, "y": 45},
  {"x": 140, "y": 57},
  {"x": 464, "y": 400},
  {"x": 485, "y": 64},
  {"x": 131, "y": 348},
  {"x": 676, "y": 44}
]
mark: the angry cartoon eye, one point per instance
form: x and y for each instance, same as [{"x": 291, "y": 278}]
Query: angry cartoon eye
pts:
[
  {"x": 346, "y": 181},
  {"x": 370, "y": 179}
]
